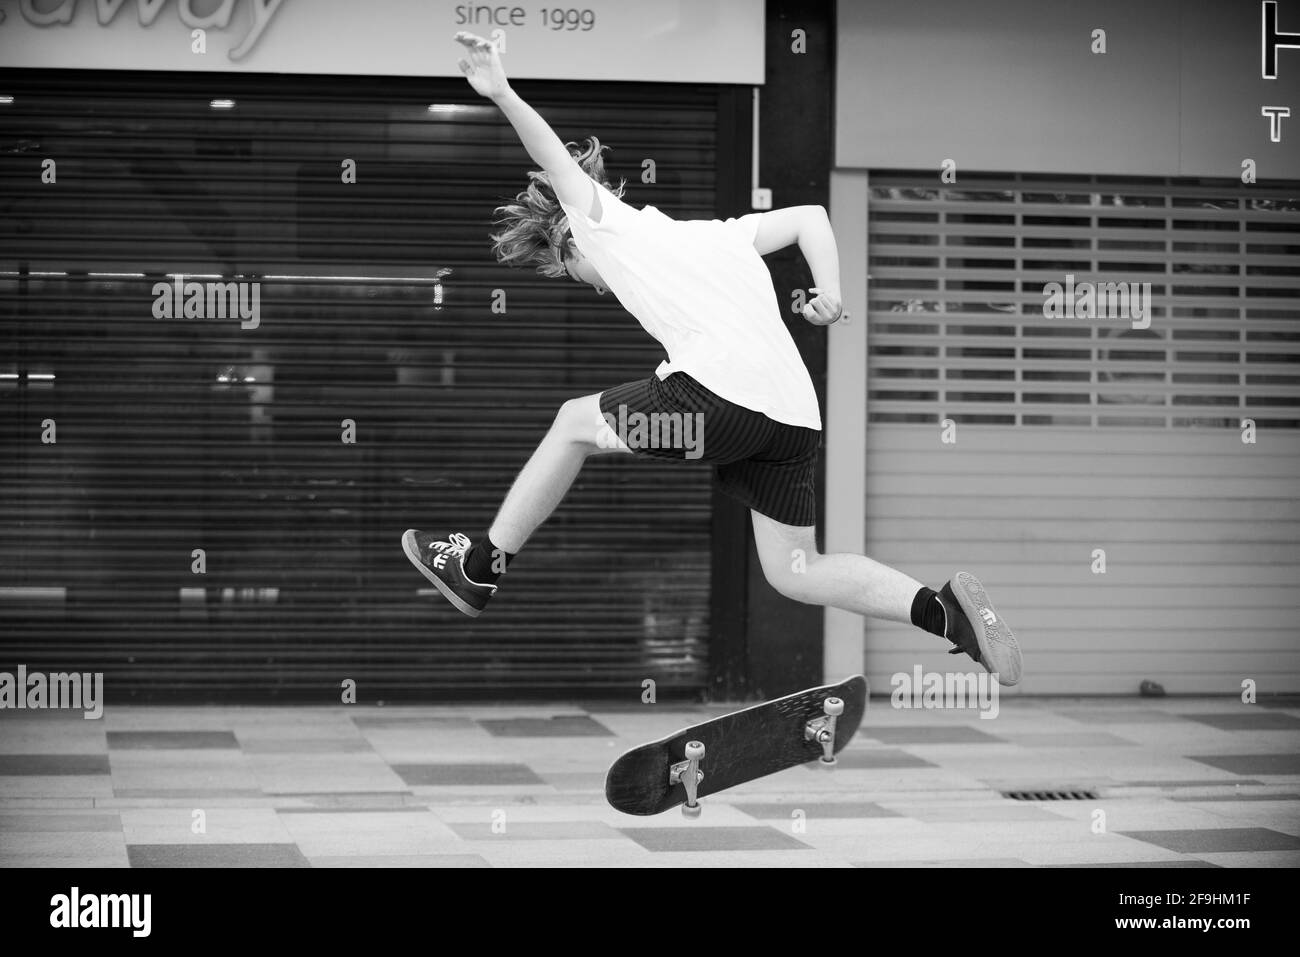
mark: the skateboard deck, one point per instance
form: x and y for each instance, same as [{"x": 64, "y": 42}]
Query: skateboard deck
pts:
[{"x": 737, "y": 747}]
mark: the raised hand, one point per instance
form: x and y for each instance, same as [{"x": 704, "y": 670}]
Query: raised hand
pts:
[
  {"x": 482, "y": 66},
  {"x": 824, "y": 309}
]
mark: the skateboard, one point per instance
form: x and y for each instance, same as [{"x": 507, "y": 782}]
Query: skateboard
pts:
[{"x": 811, "y": 725}]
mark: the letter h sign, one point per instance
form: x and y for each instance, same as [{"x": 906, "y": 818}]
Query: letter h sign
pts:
[{"x": 1274, "y": 41}]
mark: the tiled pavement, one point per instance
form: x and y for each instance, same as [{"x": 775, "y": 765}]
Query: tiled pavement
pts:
[{"x": 1178, "y": 783}]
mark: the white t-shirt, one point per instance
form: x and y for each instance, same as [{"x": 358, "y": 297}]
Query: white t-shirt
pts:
[{"x": 701, "y": 289}]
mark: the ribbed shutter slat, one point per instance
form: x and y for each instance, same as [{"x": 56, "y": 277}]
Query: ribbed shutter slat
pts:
[{"x": 181, "y": 434}]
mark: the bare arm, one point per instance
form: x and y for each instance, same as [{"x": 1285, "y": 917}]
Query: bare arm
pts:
[
  {"x": 482, "y": 67},
  {"x": 810, "y": 228}
]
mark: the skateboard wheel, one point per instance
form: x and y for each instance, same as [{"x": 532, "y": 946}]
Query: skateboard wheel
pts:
[
  {"x": 692, "y": 812},
  {"x": 833, "y": 706},
  {"x": 694, "y": 750},
  {"x": 827, "y": 765}
]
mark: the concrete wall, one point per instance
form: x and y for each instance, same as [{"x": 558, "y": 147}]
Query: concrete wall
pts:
[{"x": 1006, "y": 85}]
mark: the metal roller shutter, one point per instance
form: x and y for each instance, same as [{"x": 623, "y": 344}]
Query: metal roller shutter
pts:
[
  {"x": 376, "y": 305},
  {"x": 1081, "y": 436}
]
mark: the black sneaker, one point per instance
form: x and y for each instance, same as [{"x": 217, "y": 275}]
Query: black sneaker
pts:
[
  {"x": 977, "y": 631},
  {"x": 442, "y": 561}
]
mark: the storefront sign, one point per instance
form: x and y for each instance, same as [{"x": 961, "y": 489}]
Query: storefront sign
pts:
[{"x": 571, "y": 39}]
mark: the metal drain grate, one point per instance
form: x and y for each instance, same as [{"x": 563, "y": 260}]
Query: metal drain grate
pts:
[{"x": 1051, "y": 795}]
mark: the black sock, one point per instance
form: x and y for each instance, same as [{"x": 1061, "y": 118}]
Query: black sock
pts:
[
  {"x": 928, "y": 612},
  {"x": 482, "y": 564}
]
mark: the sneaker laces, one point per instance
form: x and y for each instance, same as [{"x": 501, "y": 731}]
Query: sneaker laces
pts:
[{"x": 458, "y": 545}]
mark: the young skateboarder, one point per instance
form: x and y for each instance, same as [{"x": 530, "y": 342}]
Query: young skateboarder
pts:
[{"x": 734, "y": 384}]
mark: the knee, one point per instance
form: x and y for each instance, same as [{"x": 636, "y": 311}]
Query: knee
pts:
[
  {"x": 572, "y": 422},
  {"x": 791, "y": 578}
]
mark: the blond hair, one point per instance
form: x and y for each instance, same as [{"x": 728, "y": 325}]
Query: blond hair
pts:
[{"x": 536, "y": 228}]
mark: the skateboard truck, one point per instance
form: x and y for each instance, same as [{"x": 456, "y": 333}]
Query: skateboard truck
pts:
[
  {"x": 822, "y": 730},
  {"x": 688, "y": 773}
]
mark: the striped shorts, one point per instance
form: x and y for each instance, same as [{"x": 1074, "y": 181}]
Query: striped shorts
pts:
[{"x": 768, "y": 466}]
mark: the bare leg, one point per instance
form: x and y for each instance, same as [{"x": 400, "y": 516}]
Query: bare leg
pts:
[
  {"x": 855, "y": 583},
  {"x": 579, "y": 430}
]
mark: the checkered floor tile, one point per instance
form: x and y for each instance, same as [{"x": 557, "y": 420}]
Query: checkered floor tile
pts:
[{"x": 1180, "y": 783}]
